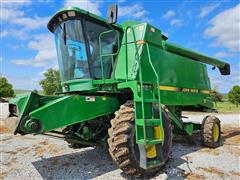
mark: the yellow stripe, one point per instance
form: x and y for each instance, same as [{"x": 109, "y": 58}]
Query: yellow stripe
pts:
[
  {"x": 173, "y": 88},
  {"x": 205, "y": 91},
  {"x": 169, "y": 88}
]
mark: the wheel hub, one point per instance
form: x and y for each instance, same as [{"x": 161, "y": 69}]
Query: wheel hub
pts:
[{"x": 215, "y": 132}]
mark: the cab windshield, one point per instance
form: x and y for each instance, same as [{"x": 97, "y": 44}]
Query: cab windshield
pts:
[{"x": 79, "y": 53}]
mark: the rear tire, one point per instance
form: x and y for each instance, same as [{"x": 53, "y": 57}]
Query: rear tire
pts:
[
  {"x": 211, "y": 132},
  {"x": 122, "y": 142}
]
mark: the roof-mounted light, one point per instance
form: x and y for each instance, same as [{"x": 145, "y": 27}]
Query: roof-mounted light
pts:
[
  {"x": 64, "y": 16},
  {"x": 59, "y": 19},
  {"x": 71, "y": 13}
]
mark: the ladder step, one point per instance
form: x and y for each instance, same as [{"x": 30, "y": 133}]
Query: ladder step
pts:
[
  {"x": 148, "y": 122},
  {"x": 148, "y": 141}
]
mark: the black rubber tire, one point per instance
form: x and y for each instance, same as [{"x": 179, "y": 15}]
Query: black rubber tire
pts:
[
  {"x": 207, "y": 132},
  {"x": 122, "y": 142}
]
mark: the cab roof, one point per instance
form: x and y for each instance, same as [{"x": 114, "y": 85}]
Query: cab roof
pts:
[{"x": 64, "y": 14}]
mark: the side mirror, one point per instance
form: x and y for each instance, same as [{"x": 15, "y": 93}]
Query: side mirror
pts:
[{"x": 112, "y": 14}]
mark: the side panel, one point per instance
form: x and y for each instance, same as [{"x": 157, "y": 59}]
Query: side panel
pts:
[
  {"x": 186, "y": 78},
  {"x": 69, "y": 110},
  {"x": 175, "y": 70}
]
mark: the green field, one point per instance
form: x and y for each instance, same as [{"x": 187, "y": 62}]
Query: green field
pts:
[{"x": 227, "y": 107}]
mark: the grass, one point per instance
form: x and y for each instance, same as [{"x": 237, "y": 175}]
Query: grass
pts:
[{"x": 227, "y": 107}]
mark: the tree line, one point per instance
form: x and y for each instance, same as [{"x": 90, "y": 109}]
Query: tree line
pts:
[{"x": 51, "y": 84}]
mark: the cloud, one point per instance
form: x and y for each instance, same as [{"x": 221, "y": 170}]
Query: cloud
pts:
[
  {"x": 15, "y": 3},
  {"x": 19, "y": 33},
  {"x": 15, "y": 46},
  {"x": 46, "y": 53},
  {"x": 208, "y": 9},
  {"x": 224, "y": 54},
  {"x": 19, "y": 81},
  {"x": 224, "y": 28},
  {"x": 3, "y": 33},
  {"x": 31, "y": 23},
  {"x": 168, "y": 15},
  {"x": 17, "y": 24},
  {"x": 135, "y": 11},
  {"x": 10, "y": 9},
  {"x": 8, "y": 14},
  {"x": 88, "y": 5},
  {"x": 41, "y": 42},
  {"x": 176, "y": 22}
]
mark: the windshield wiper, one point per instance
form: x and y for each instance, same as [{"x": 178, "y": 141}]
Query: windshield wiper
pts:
[{"x": 64, "y": 33}]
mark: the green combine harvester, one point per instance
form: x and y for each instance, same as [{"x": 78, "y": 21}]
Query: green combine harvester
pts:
[{"x": 125, "y": 86}]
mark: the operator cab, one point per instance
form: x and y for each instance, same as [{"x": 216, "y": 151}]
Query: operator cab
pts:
[{"x": 79, "y": 38}]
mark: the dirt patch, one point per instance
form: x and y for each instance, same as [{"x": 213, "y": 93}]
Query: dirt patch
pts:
[
  {"x": 18, "y": 150},
  {"x": 53, "y": 148},
  {"x": 10, "y": 152},
  {"x": 231, "y": 139},
  {"x": 235, "y": 173},
  {"x": 215, "y": 152},
  {"x": 8, "y": 125},
  {"x": 39, "y": 151},
  {"x": 9, "y": 162},
  {"x": 2, "y": 175},
  {"x": 45, "y": 142},
  {"x": 193, "y": 176},
  {"x": 213, "y": 170},
  {"x": 3, "y": 129},
  {"x": 231, "y": 135}
]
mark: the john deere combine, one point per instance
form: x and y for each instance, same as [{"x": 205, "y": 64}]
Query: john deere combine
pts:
[{"x": 123, "y": 85}]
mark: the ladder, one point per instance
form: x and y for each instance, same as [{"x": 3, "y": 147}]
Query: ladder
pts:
[{"x": 148, "y": 125}]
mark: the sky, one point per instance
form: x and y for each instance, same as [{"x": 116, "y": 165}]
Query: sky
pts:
[{"x": 209, "y": 27}]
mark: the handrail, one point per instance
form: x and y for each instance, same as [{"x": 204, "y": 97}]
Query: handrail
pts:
[
  {"x": 110, "y": 54},
  {"x": 157, "y": 78},
  {"x": 140, "y": 76},
  {"x": 140, "y": 73}
]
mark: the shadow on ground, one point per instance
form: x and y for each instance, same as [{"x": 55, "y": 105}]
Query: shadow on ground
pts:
[
  {"x": 81, "y": 165},
  {"x": 95, "y": 162}
]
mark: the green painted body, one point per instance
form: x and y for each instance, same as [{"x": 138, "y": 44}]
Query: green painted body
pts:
[{"x": 145, "y": 68}]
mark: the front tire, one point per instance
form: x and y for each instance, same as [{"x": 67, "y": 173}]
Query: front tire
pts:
[{"x": 122, "y": 142}]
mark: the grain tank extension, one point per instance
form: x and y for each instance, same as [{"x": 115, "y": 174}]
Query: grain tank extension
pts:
[{"x": 124, "y": 85}]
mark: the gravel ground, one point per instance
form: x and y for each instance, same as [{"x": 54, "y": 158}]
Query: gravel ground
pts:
[{"x": 40, "y": 157}]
